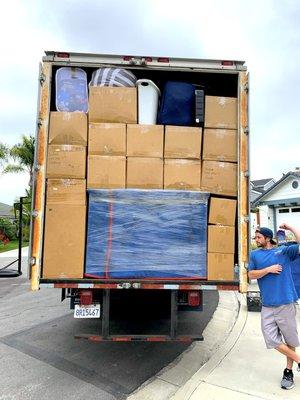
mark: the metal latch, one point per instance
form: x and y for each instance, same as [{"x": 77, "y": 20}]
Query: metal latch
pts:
[{"x": 125, "y": 285}]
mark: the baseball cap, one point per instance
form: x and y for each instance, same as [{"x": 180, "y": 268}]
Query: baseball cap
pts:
[{"x": 266, "y": 232}]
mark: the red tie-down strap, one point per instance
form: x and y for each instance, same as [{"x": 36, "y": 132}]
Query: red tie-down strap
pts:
[{"x": 109, "y": 239}]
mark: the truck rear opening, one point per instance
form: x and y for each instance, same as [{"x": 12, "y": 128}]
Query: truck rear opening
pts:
[{"x": 75, "y": 204}]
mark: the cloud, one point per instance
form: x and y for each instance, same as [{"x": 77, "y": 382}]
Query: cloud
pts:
[{"x": 264, "y": 33}]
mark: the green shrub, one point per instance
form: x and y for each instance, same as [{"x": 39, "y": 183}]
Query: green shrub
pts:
[{"x": 8, "y": 228}]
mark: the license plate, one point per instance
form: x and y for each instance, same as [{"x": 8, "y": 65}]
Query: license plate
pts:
[{"x": 91, "y": 311}]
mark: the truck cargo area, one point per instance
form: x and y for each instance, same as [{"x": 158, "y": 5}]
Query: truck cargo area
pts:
[{"x": 149, "y": 297}]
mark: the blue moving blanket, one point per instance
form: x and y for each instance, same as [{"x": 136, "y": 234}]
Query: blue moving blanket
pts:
[{"x": 146, "y": 234}]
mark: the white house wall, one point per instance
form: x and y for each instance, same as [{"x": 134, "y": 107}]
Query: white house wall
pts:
[
  {"x": 264, "y": 215},
  {"x": 284, "y": 190}
]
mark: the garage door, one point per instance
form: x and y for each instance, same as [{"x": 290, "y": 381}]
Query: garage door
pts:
[{"x": 289, "y": 215}]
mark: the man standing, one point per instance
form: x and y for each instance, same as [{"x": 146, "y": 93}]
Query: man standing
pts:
[{"x": 271, "y": 267}]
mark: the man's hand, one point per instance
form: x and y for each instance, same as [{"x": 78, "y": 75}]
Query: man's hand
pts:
[
  {"x": 275, "y": 269},
  {"x": 285, "y": 226},
  {"x": 296, "y": 232}
]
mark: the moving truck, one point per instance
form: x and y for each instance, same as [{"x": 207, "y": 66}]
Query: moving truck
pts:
[{"x": 96, "y": 220}]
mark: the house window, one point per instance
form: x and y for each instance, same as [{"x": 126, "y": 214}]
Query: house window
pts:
[
  {"x": 283, "y": 210},
  {"x": 295, "y": 184},
  {"x": 296, "y": 209}
]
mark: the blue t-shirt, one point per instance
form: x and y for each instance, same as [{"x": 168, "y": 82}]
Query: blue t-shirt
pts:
[{"x": 275, "y": 289}]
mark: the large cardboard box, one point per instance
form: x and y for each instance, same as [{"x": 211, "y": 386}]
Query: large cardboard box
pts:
[
  {"x": 144, "y": 173},
  {"x": 113, "y": 104},
  {"x": 222, "y": 211},
  {"x": 106, "y": 172},
  {"x": 220, "y": 267},
  {"x": 66, "y": 161},
  {"x": 183, "y": 142},
  {"x": 182, "y": 174},
  {"x": 219, "y": 177},
  {"x": 145, "y": 140},
  {"x": 221, "y": 239},
  {"x": 220, "y": 145},
  {"x": 66, "y": 191},
  {"x": 68, "y": 128},
  {"x": 64, "y": 241},
  {"x": 107, "y": 139},
  {"x": 220, "y": 112}
]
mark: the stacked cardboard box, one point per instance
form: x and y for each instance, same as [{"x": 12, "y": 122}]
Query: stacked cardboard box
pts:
[
  {"x": 110, "y": 109},
  {"x": 221, "y": 239},
  {"x": 219, "y": 168},
  {"x": 182, "y": 166},
  {"x": 123, "y": 154},
  {"x": 65, "y": 216},
  {"x": 145, "y": 146}
]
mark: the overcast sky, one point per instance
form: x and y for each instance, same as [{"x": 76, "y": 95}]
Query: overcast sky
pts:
[{"x": 264, "y": 33}]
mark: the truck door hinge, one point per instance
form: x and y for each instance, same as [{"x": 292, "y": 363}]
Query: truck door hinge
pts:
[
  {"x": 35, "y": 213},
  {"x": 246, "y": 130},
  {"x": 42, "y": 78},
  {"x": 32, "y": 261},
  {"x": 246, "y": 174},
  {"x": 246, "y": 87},
  {"x": 246, "y": 218}
]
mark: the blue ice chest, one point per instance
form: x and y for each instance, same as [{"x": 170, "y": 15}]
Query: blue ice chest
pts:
[{"x": 146, "y": 234}]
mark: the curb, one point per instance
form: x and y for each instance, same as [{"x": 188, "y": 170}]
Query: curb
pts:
[
  {"x": 186, "y": 391},
  {"x": 181, "y": 372}
]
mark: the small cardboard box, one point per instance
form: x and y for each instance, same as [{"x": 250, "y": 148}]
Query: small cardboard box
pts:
[
  {"x": 106, "y": 172},
  {"x": 113, "y": 104},
  {"x": 68, "y": 128},
  {"x": 222, "y": 211},
  {"x": 64, "y": 241},
  {"x": 219, "y": 177},
  {"x": 107, "y": 139},
  {"x": 66, "y": 161},
  {"x": 220, "y": 112},
  {"x": 182, "y": 174},
  {"x": 221, "y": 239},
  {"x": 220, "y": 145},
  {"x": 220, "y": 267},
  {"x": 66, "y": 191},
  {"x": 145, "y": 140},
  {"x": 144, "y": 173},
  {"x": 183, "y": 142}
]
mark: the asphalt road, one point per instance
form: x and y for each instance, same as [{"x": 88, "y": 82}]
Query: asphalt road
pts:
[{"x": 41, "y": 359}]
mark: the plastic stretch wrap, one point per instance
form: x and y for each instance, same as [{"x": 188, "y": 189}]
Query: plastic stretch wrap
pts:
[{"x": 146, "y": 234}]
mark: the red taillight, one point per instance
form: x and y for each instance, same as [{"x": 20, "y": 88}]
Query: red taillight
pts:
[
  {"x": 63, "y": 55},
  {"x": 127, "y": 58},
  {"x": 228, "y": 63},
  {"x": 194, "y": 298},
  {"x": 148, "y": 59},
  {"x": 86, "y": 297},
  {"x": 163, "y": 60}
]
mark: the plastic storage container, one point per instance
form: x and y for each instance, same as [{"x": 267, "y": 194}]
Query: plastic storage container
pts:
[
  {"x": 71, "y": 90},
  {"x": 148, "y": 97}
]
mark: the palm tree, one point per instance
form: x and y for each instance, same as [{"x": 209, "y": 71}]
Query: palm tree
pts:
[
  {"x": 23, "y": 155},
  {"x": 4, "y": 151}
]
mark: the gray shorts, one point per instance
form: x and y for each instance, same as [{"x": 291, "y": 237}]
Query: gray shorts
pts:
[{"x": 279, "y": 325}]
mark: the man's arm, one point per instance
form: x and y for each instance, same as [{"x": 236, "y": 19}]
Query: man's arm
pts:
[
  {"x": 296, "y": 232},
  {"x": 259, "y": 273}
]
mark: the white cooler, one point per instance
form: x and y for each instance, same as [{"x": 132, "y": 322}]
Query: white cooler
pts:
[{"x": 148, "y": 97}]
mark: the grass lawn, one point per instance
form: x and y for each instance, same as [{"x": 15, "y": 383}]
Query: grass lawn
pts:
[{"x": 14, "y": 244}]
